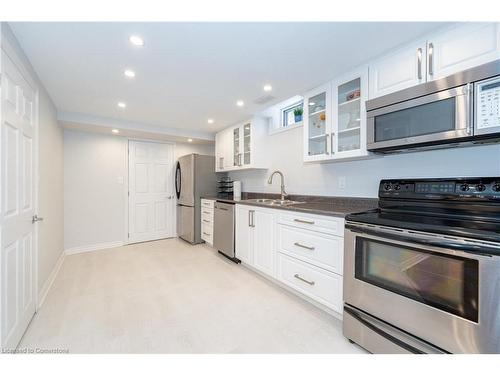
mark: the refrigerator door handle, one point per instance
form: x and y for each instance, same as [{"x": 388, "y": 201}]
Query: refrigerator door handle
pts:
[{"x": 178, "y": 180}]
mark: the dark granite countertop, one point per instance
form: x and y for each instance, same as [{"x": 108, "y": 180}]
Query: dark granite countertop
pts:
[{"x": 320, "y": 205}]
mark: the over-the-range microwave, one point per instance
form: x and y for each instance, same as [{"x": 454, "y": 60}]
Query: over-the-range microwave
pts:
[{"x": 461, "y": 109}]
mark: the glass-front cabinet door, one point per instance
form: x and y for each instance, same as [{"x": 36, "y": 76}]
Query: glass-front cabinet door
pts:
[
  {"x": 317, "y": 124},
  {"x": 236, "y": 147},
  {"x": 349, "y": 115},
  {"x": 247, "y": 144}
]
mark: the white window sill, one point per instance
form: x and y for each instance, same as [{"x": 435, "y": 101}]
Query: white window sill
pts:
[{"x": 284, "y": 128}]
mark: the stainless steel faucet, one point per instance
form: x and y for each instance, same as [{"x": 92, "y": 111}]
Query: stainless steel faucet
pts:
[{"x": 270, "y": 181}]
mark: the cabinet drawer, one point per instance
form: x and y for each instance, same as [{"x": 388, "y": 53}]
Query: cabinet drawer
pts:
[
  {"x": 325, "y": 224},
  {"x": 207, "y": 203},
  {"x": 316, "y": 283},
  {"x": 207, "y": 217},
  {"x": 207, "y": 233},
  {"x": 320, "y": 249}
]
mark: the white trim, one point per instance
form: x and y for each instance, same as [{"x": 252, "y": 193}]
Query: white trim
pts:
[
  {"x": 47, "y": 285},
  {"x": 285, "y": 128},
  {"x": 94, "y": 247}
]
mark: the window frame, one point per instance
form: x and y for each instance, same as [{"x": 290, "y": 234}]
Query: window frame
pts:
[{"x": 288, "y": 108}]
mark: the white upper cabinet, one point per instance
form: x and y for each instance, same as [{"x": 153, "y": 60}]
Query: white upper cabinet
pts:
[
  {"x": 350, "y": 93},
  {"x": 223, "y": 151},
  {"x": 241, "y": 146},
  {"x": 318, "y": 124},
  {"x": 441, "y": 54},
  {"x": 398, "y": 70},
  {"x": 462, "y": 47}
]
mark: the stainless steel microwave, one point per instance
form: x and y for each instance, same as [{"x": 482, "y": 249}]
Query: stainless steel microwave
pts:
[{"x": 460, "y": 109}]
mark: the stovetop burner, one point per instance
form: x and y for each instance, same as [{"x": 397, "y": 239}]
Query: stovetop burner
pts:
[{"x": 464, "y": 207}]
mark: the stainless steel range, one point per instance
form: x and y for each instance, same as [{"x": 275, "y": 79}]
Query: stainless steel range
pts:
[{"x": 422, "y": 272}]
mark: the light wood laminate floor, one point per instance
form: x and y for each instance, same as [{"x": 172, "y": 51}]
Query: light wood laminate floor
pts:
[{"x": 170, "y": 297}]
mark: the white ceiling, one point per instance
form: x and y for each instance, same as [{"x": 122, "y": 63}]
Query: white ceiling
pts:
[{"x": 189, "y": 72}]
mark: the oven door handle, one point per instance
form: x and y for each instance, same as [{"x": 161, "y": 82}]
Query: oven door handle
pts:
[{"x": 472, "y": 248}]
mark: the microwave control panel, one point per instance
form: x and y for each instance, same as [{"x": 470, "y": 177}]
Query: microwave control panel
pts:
[{"x": 488, "y": 104}]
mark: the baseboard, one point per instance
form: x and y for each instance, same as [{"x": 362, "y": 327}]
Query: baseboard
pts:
[
  {"x": 94, "y": 247},
  {"x": 42, "y": 294}
]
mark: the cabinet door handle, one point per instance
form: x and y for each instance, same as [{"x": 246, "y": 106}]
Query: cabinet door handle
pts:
[
  {"x": 206, "y": 212},
  {"x": 419, "y": 63},
  {"x": 331, "y": 142},
  {"x": 206, "y": 234},
  {"x": 303, "y": 221},
  {"x": 304, "y": 246},
  {"x": 239, "y": 159},
  {"x": 206, "y": 221},
  {"x": 253, "y": 218},
  {"x": 249, "y": 218},
  {"x": 297, "y": 276},
  {"x": 431, "y": 59}
]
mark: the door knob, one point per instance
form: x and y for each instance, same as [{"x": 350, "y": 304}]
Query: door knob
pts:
[{"x": 36, "y": 218}]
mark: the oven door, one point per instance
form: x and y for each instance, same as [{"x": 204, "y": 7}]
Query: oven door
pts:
[
  {"x": 441, "y": 117},
  {"x": 443, "y": 291}
]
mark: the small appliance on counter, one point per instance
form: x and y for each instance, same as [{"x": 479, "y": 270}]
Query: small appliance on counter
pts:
[
  {"x": 421, "y": 272},
  {"x": 237, "y": 190}
]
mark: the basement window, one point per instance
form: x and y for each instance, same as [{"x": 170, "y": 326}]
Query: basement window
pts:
[{"x": 292, "y": 114}]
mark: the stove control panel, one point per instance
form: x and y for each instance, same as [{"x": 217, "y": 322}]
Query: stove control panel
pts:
[{"x": 459, "y": 188}]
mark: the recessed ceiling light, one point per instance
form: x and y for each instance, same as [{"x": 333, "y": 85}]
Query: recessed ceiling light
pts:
[
  {"x": 136, "y": 40},
  {"x": 190, "y": 140},
  {"x": 268, "y": 87},
  {"x": 116, "y": 131},
  {"x": 210, "y": 120},
  {"x": 240, "y": 103},
  {"x": 121, "y": 104},
  {"x": 129, "y": 73}
]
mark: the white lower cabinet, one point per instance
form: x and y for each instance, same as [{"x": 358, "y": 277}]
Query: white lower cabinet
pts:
[
  {"x": 207, "y": 221},
  {"x": 255, "y": 237},
  {"x": 316, "y": 283},
  {"x": 302, "y": 251}
]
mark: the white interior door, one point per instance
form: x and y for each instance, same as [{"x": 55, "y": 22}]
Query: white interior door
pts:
[
  {"x": 151, "y": 196},
  {"x": 18, "y": 237}
]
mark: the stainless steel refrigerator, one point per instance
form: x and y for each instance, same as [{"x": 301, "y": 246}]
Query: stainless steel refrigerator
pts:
[{"x": 194, "y": 177}]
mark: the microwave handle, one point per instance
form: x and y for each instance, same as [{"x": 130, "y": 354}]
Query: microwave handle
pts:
[
  {"x": 475, "y": 249},
  {"x": 470, "y": 111}
]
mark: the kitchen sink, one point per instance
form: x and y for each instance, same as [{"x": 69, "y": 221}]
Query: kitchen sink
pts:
[
  {"x": 259, "y": 200},
  {"x": 273, "y": 202}
]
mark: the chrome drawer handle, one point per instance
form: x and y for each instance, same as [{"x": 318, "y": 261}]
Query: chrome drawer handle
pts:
[
  {"x": 304, "y": 280},
  {"x": 206, "y": 221},
  {"x": 206, "y": 234},
  {"x": 303, "y": 221},
  {"x": 304, "y": 246},
  {"x": 206, "y": 212}
]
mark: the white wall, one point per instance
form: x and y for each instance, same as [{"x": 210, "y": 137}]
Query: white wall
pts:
[
  {"x": 50, "y": 168},
  {"x": 362, "y": 177},
  {"x": 95, "y": 199},
  {"x": 94, "y": 196}
]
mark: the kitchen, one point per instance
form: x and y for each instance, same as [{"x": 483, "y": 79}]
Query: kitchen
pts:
[{"x": 351, "y": 209}]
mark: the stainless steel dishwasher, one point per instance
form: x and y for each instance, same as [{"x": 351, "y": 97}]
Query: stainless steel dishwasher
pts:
[{"x": 224, "y": 229}]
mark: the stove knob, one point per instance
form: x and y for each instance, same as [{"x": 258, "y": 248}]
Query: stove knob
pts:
[
  {"x": 464, "y": 187},
  {"x": 496, "y": 187},
  {"x": 397, "y": 187},
  {"x": 387, "y": 187},
  {"x": 481, "y": 187}
]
